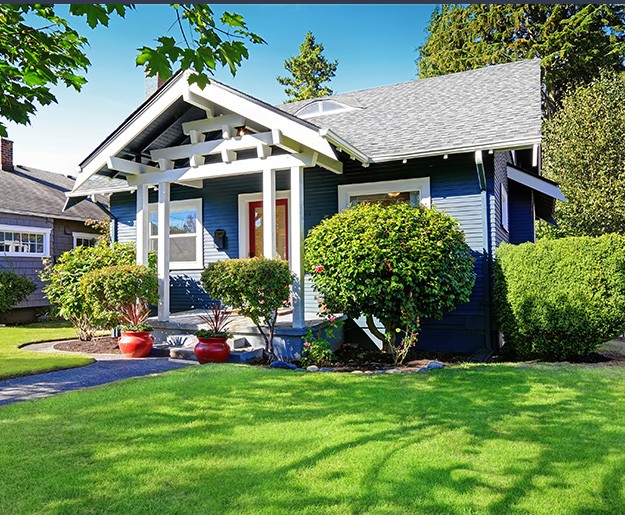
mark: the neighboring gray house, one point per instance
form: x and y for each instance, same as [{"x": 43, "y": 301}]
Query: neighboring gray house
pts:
[
  {"x": 223, "y": 163},
  {"x": 33, "y": 225}
]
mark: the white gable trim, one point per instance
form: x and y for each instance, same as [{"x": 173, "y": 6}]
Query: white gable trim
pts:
[
  {"x": 213, "y": 94},
  {"x": 164, "y": 99}
]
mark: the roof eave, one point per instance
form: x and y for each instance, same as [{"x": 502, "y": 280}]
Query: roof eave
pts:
[{"x": 500, "y": 145}]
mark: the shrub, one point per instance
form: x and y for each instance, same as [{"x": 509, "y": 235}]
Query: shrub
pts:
[
  {"x": 14, "y": 288},
  {"x": 560, "y": 299},
  {"x": 257, "y": 287},
  {"x": 317, "y": 349},
  {"x": 397, "y": 263},
  {"x": 121, "y": 294},
  {"x": 63, "y": 278}
]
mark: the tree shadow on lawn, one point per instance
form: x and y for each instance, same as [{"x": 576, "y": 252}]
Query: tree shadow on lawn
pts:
[{"x": 495, "y": 439}]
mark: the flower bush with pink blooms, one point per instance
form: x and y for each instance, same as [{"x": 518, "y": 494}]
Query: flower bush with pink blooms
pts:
[
  {"x": 317, "y": 349},
  {"x": 397, "y": 263}
]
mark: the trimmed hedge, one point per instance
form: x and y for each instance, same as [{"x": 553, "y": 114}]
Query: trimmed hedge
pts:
[{"x": 560, "y": 299}]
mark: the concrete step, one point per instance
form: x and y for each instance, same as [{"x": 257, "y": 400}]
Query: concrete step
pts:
[{"x": 242, "y": 355}]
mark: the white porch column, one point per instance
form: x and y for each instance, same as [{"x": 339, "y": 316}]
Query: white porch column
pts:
[
  {"x": 163, "y": 251},
  {"x": 142, "y": 227},
  {"x": 269, "y": 213},
  {"x": 296, "y": 238}
]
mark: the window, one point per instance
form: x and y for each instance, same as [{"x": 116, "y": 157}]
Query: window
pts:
[
  {"x": 185, "y": 233},
  {"x": 505, "y": 220},
  {"x": 24, "y": 241},
  {"x": 321, "y": 107},
  {"x": 85, "y": 239},
  {"x": 415, "y": 191}
]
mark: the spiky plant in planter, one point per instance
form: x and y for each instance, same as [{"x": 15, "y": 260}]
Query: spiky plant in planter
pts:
[{"x": 212, "y": 346}]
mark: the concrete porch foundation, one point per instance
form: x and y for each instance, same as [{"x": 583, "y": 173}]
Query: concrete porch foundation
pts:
[{"x": 288, "y": 341}]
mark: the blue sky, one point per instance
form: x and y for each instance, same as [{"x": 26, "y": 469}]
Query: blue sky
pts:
[{"x": 374, "y": 44}]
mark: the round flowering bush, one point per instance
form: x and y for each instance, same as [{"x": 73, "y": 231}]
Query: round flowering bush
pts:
[{"x": 397, "y": 263}]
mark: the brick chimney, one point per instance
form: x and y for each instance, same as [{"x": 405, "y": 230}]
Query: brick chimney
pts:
[{"x": 6, "y": 154}]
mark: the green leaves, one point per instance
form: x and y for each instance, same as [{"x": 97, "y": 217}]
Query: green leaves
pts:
[
  {"x": 63, "y": 283},
  {"x": 584, "y": 151},
  {"x": 397, "y": 263},
  {"x": 309, "y": 71},
  {"x": 14, "y": 288},
  {"x": 574, "y": 42},
  {"x": 46, "y": 51},
  {"x": 560, "y": 299},
  {"x": 257, "y": 287}
]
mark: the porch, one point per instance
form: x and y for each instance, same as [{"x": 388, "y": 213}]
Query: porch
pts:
[{"x": 247, "y": 342}]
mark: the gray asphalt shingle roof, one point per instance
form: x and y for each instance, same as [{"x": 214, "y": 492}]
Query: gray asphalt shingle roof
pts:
[
  {"x": 480, "y": 107},
  {"x": 36, "y": 192}
]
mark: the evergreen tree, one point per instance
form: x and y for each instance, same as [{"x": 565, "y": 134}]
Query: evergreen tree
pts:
[
  {"x": 309, "y": 71},
  {"x": 574, "y": 42}
]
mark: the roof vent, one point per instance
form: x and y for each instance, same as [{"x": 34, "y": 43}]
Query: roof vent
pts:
[{"x": 322, "y": 107}]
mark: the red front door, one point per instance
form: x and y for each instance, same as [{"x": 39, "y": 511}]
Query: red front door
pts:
[{"x": 282, "y": 228}]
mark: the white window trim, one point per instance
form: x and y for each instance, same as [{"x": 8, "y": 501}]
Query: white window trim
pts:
[
  {"x": 505, "y": 209},
  {"x": 244, "y": 220},
  {"x": 32, "y": 230},
  {"x": 422, "y": 184},
  {"x": 84, "y": 236},
  {"x": 195, "y": 203}
]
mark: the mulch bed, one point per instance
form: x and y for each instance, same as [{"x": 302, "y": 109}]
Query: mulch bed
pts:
[
  {"x": 101, "y": 345},
  {"x": 349, "y": 359}
]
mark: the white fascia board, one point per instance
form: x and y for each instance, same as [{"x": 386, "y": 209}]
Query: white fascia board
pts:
[
  {"x": 133, "y": 129},
  {"x": 343, "y": 144},
  {"x": 246, "y": 166},
  {"x": 99, "y": 191},
  {"x": 536, "y": 183},
  {"x": 272, "y": 120},
  {"x": 494, "y": 145}
]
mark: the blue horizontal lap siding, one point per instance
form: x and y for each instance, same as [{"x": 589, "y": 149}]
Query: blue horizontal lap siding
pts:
[{"x": 454, "y": 189}]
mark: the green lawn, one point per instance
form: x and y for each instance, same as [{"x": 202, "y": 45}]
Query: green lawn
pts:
[
  {"x": 232, "y": 439},
  {"x": 15, "y": 362}
]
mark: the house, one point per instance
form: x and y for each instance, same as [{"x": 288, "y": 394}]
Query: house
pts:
[
  {"x": 34, "y": 226},
  {"x": 215, "y": 164}
]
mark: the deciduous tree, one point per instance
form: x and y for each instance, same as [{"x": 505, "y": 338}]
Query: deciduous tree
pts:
[
  {"x": 40, "y": 49},
  {"x": 584, "y": 151}
]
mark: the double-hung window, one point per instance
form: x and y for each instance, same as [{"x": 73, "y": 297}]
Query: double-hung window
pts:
[
  {"x": 185, "y": 233},
  {"x": 22, "y": 241}
]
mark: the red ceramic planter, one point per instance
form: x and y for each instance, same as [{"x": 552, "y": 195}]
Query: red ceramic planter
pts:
[
  {"x": 212, "y": 350},
  {"x": 135, "y": 344}
]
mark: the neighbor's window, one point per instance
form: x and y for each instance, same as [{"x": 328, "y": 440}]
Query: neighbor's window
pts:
[
  {"x": 413, "y": 191},
  {"x": 185, "y": 233},
  {"x": 24, "y": 241},
  {"x": 85, "y": 239},
  {"x": 505, "y": 220}
]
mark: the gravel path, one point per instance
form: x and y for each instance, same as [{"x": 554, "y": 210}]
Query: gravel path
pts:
[{"x": 107, "y": 369}]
